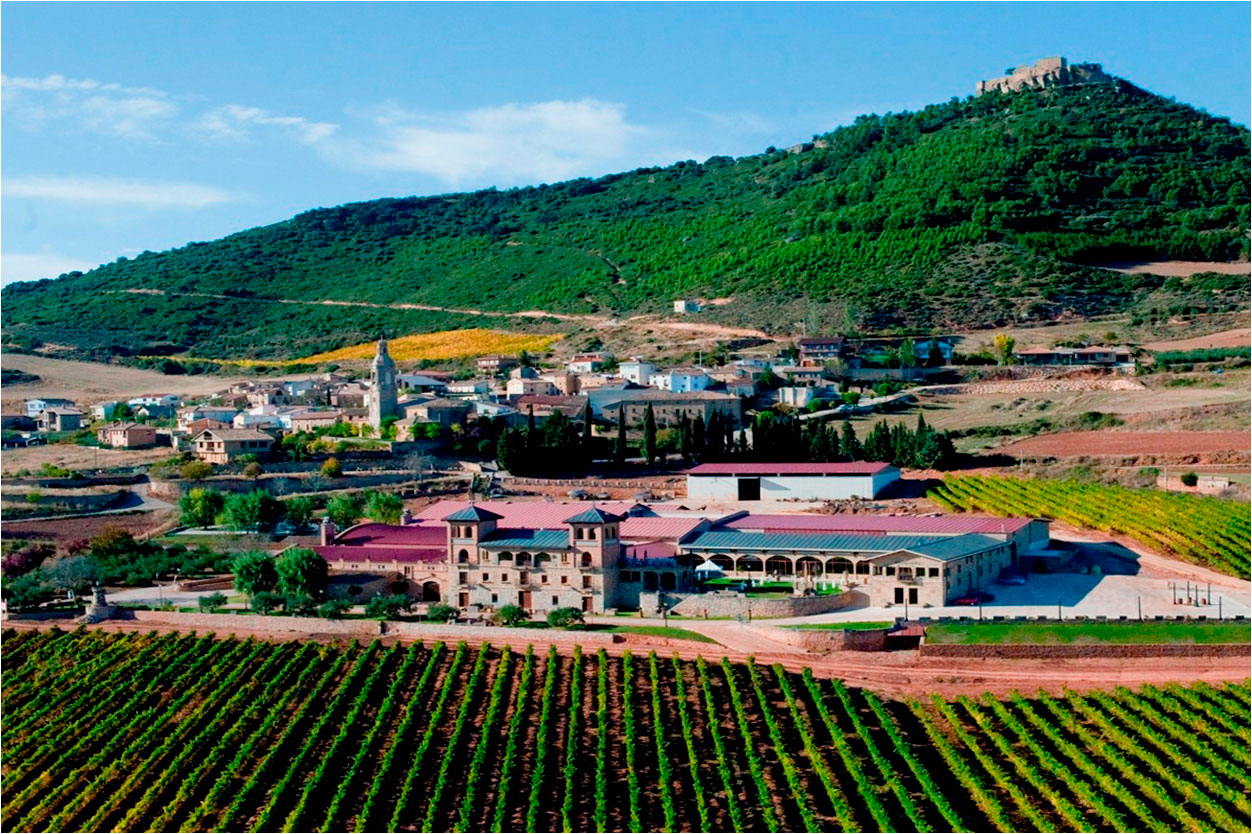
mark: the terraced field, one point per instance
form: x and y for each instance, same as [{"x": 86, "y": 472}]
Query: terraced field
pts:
[{"x": 146, "y": 732}]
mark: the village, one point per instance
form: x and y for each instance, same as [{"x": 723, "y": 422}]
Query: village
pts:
[{"x": 589, "y": 483}]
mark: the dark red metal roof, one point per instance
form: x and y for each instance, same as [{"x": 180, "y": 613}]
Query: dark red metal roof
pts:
[{"x": 860, "y": 468}]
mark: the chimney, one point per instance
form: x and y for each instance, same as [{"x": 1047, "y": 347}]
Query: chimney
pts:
[
  {"x": 328, "y": 532},
  {"x": 406, "y": 516}
]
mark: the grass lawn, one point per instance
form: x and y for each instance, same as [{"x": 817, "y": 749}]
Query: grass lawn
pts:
[
  {"x": 861, "y": 626},
  {"x": 661, "y": 631},
  {"x": 1119, "y": 632}
]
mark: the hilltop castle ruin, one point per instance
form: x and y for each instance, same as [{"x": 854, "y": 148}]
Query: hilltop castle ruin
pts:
[{"x": 1049, "y": 72}]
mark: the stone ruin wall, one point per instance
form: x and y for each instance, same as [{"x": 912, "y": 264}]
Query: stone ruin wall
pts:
[{"x": 1048, "y": 72}]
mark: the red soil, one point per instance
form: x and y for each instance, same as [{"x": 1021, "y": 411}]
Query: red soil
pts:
[{"x": 1129, "y": 443}]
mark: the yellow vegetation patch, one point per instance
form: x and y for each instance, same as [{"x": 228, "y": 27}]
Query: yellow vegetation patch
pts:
[{"x": 446, "y": 344}]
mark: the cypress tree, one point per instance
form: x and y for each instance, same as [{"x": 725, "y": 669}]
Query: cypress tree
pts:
[
  {"x": 878, "y": 443},
  {"x": 649, "y": 435},
  {"x": 619, "y": 448},
  {"x": 849, "y": 443},
  {"x": 697, "y": 437}
]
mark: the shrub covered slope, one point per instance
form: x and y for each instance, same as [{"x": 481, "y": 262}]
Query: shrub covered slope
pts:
[{"x": 961, "y": 214}]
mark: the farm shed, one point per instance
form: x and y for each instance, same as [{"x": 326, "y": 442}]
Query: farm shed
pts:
[{"x": 780, "y": 481}]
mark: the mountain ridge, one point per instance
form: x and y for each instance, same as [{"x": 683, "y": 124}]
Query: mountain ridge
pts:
[{"x": 967, "y": 213}]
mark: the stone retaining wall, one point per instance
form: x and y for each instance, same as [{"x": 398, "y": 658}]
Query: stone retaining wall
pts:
[
  {"x": 821, "y": 641},
  {"x": 741, "y": 605},
  {"x": 1037, "y": 652}
]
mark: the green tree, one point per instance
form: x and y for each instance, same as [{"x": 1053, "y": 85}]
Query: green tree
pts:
[
  {"x": 74, "y": 574},
  {"x": 1004, "y": 345},
  {"x": 22, "y": 593},
  {"x": 388, "y": 606},
  {"x": 253, "y": 470},
  {"x": 123, "y": 412},
  {"x": 344, "y": 509},
  {"x": 649, "y": 436},
  {"x": 907, "y": 353},
  {"x": 510, "y": 615},
  {"x": 619, "y": 447},
  {"x": 442, "y": 612},
  {"x": 878, "y": 443},
  {"x": 334, "y": 609},
  {"x": 511, "y": 451},
  {"x": 266, "y": 601},
  {"x": 195, "y": 470},
  {"x": 212, "y": 603},
  {"x": 301, "y": 574},
  {"x": 298, "y": 510},
  {"x": 565, "y": 618},
  {"x": 384, "y": 507},
  {"x": 200, "y": 507},
  {"x": 255, "y": 511},
  {"x": 849, "y": 443},
  {"x": 332, "y": 468},
  {"x": 254, "y": 573}
]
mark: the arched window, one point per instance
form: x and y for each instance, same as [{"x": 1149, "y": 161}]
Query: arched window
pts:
[
  {"x": 505, "y": 556},
  {"x": 780, "y": 565},
  {"x": 523, "y": 559},
  {"x": 808, "y": 566},
  {"x": 586, "y": 560},
  {"x": 722, "y": 561},
  {"x": 749, "y": 564},
  {"x": 540, "y": 558},
  {"x": 591, "y": 532},
  {"x": 463, "y": 556},
  {"x": 838, "y": 565}
]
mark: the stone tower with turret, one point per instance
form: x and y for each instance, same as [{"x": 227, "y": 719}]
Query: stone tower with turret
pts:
[{"x": 382, "y": 397}]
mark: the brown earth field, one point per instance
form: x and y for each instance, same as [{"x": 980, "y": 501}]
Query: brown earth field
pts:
[
  {"x": 896, "y": 674},
  {"x": 87, "y": 383},
  {"x": 1237, "y": 337},
  {"x": 1128, "y": 443},
  {"x": 65, "y": 530}
]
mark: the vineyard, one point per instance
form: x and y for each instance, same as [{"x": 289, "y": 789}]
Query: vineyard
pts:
[
  {"x": 179, "y": 732},
  {"x": 1212, "y": 532},
  {"x": 446, "y": 344}
]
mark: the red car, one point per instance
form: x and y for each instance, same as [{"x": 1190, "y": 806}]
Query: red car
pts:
[{"x": 973, "y": 599}]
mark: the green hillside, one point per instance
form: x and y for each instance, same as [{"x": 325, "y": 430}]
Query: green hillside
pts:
[{"x": 963, "y": 214}]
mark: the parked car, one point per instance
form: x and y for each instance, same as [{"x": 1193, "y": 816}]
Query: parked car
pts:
[{"x": 974, "y": 598}]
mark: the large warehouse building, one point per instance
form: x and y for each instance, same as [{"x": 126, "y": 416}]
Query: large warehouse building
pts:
[
  {"x": 788, "y": 481},
  {"x": 547, "y": 555}
]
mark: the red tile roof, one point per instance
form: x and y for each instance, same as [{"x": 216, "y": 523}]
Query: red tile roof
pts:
[
  {"x": 860, "y": 468},
  {"x": 878, "y": 524},
  {"x": 373, "y": 542}
]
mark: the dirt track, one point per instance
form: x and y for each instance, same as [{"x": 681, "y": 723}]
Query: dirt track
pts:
[
  {"x": 1127, "y": 443},
  {"x": 897, "y": 674}
]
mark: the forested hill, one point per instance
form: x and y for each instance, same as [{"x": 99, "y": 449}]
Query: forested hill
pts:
[{"x": 962, "y": 214}]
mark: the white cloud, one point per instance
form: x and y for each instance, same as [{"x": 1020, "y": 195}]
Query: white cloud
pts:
[
  {"x": 35, "y": 266},
  {"x": 508, "y": 144},
  {"x": 87, "y": 104},
  {"x": 233, "y": 121},
  {"x": 117, "y": 192}
]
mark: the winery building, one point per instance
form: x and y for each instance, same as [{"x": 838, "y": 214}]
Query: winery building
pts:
[{"x": 547, "y": 555}]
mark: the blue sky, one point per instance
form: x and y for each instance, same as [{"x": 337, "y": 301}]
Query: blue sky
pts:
[{"x": 145, "y": 126}]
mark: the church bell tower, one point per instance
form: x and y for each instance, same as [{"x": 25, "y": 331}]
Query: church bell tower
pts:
[{"x": 382, "y": 397}]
